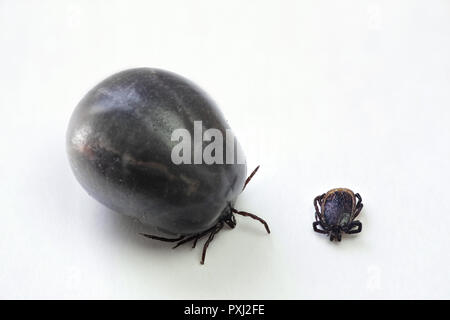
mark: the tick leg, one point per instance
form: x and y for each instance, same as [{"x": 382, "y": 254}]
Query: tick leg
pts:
[
  {"x": 195, "y": 237},
  {"x": 194, "y": 243},
  {"x": 161, "y": 238},
  {"x": 316, "y": 229},
  {"x": 359, "y": 205},
  {"x": 358, "y": 210},
  {"x": 250, "y": 177},
  {"x": 231, "y": 222},
  {"x": 358, "y": 196},
  {"x": 317, "y": 203},
  {"x": 352, "y": 225},
  {"x": 183, "y": 241},
  {"x": 251, "y": 215},
  {"x": 218, "y": 227}
]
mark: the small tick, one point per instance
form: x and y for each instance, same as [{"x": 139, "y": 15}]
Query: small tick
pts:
[{"x": 336, "y": 211}]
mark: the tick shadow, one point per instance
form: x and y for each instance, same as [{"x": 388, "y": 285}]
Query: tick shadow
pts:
[
  {"x": 180, "y": 269},
  {"x": 126, "y": 231}
]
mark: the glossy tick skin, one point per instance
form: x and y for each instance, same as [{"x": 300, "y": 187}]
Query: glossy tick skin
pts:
[
  {"x": 336, "y": 211},
  {"x": 119, "y": 147}
]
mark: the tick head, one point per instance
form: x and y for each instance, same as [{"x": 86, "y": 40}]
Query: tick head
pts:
[
  {"x": 336, "y": 233},
  {"x": 229, "y": 218}
]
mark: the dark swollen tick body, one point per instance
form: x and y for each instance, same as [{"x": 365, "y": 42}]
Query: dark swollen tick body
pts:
[{"x": 120, "y": 142}]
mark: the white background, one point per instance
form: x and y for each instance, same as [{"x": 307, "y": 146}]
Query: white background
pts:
[{"x": 322, "y": 94}]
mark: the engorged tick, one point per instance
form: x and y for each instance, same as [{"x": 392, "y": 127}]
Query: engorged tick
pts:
[
  {"x": 120, "y": 141},
  {"x": 336, "y": 211}
]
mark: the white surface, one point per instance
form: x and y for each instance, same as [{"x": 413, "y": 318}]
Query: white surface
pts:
[{"x": 321, "y": 94}]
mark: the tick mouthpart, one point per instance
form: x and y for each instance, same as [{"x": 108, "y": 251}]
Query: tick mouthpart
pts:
[{"x": 336, "y": 234}]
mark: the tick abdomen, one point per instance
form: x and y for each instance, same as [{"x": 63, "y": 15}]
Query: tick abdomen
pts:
[
  {"x": 338, "y": 206},
  {"x": 119, "y": 145}
]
